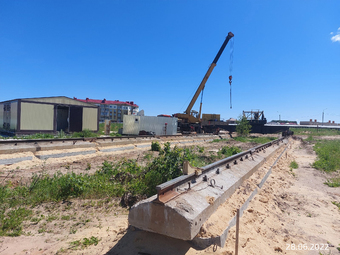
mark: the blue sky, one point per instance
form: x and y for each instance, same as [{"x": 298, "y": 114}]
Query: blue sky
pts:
[{"x": 286, "y": 57}]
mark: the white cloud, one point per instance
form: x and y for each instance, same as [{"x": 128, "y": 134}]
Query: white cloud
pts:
[{"x": 336, "y": 38}]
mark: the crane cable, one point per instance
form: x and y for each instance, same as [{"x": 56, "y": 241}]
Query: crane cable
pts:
[{"x": 231, "y": 66}]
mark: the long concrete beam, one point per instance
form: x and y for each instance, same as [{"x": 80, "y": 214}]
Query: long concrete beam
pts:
[{"x": 183, "y": 216}]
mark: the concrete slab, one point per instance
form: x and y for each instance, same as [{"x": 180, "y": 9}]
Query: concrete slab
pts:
[
  {"x": 183, "y": 216},
  {"x": 66, "y": 154},
  {"x": 44, "y": 146},
  {"x": 144, "y": 146},
  {"x": 116, "y": 142},
  {"x": 118, "y": 149},
  {"x": 14, "y": 160}
]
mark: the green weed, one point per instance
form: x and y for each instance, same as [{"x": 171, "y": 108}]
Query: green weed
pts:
[
  {"x": 259, "y": 140},
  {"x": 85, "y": 242},
  {"x": 333, "y": 182},
  {"x": 310, "y": 138},
  {"x": 66, "y": 217},
  {"x": 328, "y": 153},
  {"x": 10, "y": 222},
  {"x": 315, "y": 131},
  {"x": 228, "y": 151},
  {"x": 200, "y": 149},
  {"x": 51, "y": 218},
  {"x": 88, "y": 167},
  {"x": 148, "y": 156},
  {"x": 38, "y": 136},
  {"x": 125, "y": 178},
  {"x": 337, "y": 204},
  {"x": 219, "y": 140},
  {"x": 155, "y": 146},
  {"x": 294, "y": 165},
  {"x": 84, "y": 133}
]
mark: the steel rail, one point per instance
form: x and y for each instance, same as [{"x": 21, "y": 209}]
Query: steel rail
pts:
[
  {"x": 90, "y": 139},
  {"x": 168, "y": 190}
]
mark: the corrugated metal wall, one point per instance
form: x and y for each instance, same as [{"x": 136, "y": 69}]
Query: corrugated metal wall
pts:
[
  {"x": 14, "y": 116},
  {"x": 1, "y": 115},
  {"x": 90, "y": 118},
  {"x": 9, "y": 117},
  {"x": 36, "y": 116},
  {"x": 133, "y": 124}
]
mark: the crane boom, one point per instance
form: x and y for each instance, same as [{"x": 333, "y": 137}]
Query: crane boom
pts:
[{"x": 206, "y": 76}]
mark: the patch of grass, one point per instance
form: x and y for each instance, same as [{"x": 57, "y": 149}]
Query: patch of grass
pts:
[
  {"x": 73, "y": 231},
  {"x": 115, "y": 134},
  {"x": 66, "y": 217},
  {"x": 328, "y": 155},
  {"x": 38, "y": 136},
  {"x": 259, "y": 140},
  {"x": 333, "y": 182},
  {"x": 200, "y": 149},
  {"x": 11, "y": 222},
  {"x": 51, "y": 218},
  {"x": 125, "y": 178},
  {"x": 337, "y": 204},
  {"x": 88, "y": 166},
  {"x": 42, "y": 230},
  {"x": 219, "y": 140},
  {"x": 85, "y": 242},
  {"x": 315, "y": 131},
  {"x": 241, "y": 139},
  {"x": 226, "y": 151},
  {"x": 84, "y": 133},
  {"x": 310, "y": 138},
  {"x": 294, "y": 165},
  {"x": 148, "y": 156},
  {"x": 92, "y": 241}
]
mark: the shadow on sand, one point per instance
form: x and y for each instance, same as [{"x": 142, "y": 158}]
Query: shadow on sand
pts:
[{"x": 139, "y": 242}]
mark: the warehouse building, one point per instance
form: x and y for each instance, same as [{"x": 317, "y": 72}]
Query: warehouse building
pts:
[{"x": 47, "y": 115}]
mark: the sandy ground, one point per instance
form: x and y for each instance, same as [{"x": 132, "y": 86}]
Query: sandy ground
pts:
[{"x": 292, "y": 208}]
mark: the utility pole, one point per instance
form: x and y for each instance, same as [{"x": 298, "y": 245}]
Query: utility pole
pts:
[{"x": 323, "y": 114}]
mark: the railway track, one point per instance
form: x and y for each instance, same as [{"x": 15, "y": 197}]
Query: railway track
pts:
[
  {"x": 14, "y": 151},
  {"x": 86, "y": 139},
  {"x": 182, "y": 205}
]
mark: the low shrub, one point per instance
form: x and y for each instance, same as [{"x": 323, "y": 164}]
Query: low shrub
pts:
[{"x": 155, "y": 146}]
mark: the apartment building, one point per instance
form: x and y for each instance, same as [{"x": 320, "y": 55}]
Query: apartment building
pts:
[{"x": 112, "y": 110}]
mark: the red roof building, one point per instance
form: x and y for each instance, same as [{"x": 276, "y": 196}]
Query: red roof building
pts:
[{"x": 112, "y": 110}]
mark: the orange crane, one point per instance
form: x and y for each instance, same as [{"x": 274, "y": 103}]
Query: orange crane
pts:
[{"x": 190, "y": 120}]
